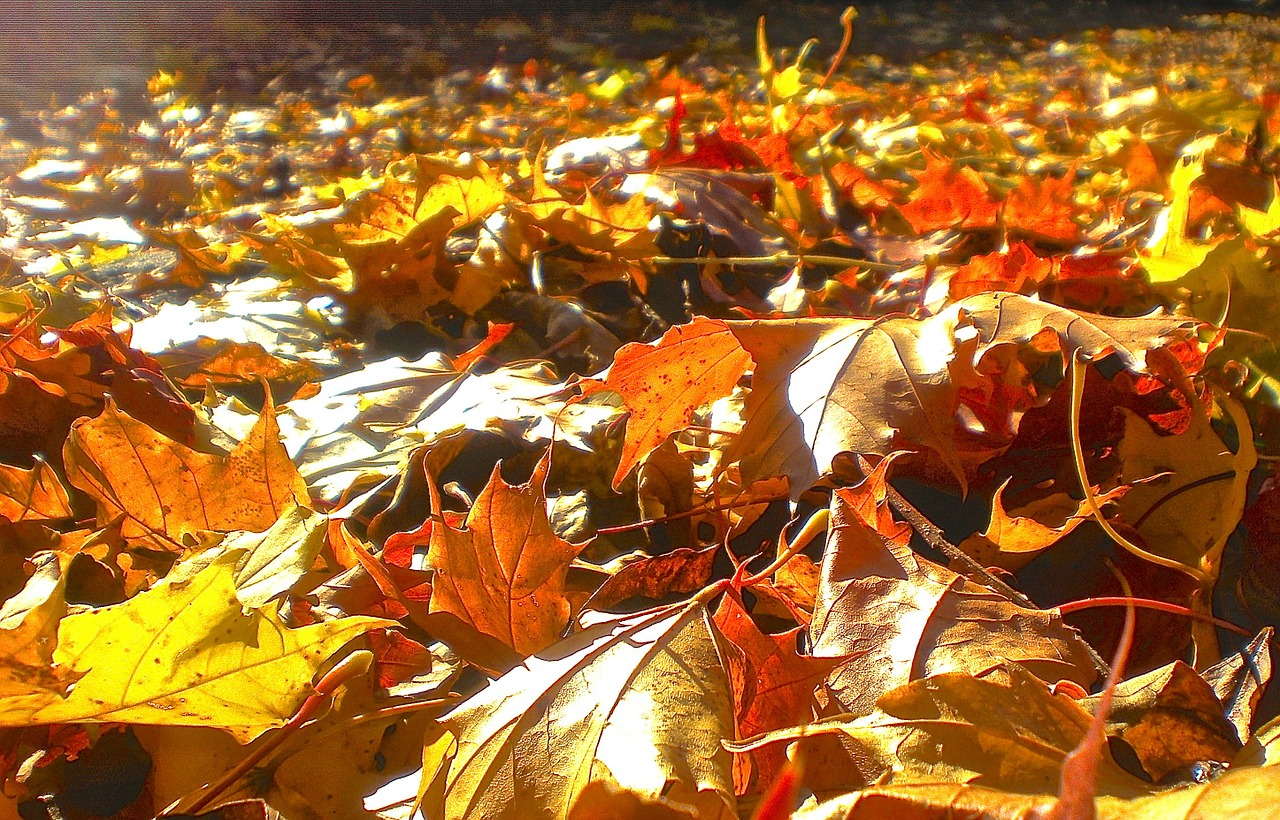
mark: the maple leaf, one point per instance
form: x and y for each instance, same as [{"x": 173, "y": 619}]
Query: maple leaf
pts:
[
  {"x": 772, "y": 684},
  {"x": 503, "y": 573},
  {"x": 948, "y": 196},
  {"x": 640, "y": 702},
  {"x": 900, "y": 617},
  {"x": 663, "y": 383},
  {"x": 184, "y": 653},
  {"x": 165, "y": 490},
  {"x": 1043, "y": 208}
]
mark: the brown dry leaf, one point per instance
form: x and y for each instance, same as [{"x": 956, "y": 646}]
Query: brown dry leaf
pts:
[
  {"x": 504, "y": 572},
  {"x": 166, "y": 490},
  {"x": 1171, "y": 718},
  {"x": 183, "y": 653},
  {"x": 681, "y": 571},
  {"x": 239, "y": 364},
  {"x": 33, "y": 494},
  {"x": 1003, "y": 730},
  {"x": 664, "y": 382},
  {"x": 900, "y": 617},
  {"x": 197, "y": 258},
  {"x": 639, "y": 702},
  {"x": 823, "y": 387}
]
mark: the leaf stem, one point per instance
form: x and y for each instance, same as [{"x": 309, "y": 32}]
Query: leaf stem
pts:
[
  {"x": 817, "y": 523},
  {"x": 775, "y": 259},
  {"x": 1147, "y": 603},
  {"x": 1078, "y": 370},
  {"x": 649, "y": 522},
  {"x": 349, "y": 668}
]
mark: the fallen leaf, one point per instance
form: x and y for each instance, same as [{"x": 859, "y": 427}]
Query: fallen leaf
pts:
[
  {"x": 640, "y": 702},
  {"x": 504, "y": 572},
  {"x": 166, "y": 490},
  {"x": 663, "y": 383},
  {"x": 899, "y": 617},
  {"x": 184, "y": 653}
]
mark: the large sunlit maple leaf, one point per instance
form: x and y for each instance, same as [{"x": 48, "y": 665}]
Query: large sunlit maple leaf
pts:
[
  {"x": 165, "y": 490},
  {"x": 823, "y": 387},
  {"x": 503, "y": 573},
  {"x": 641, "y": 702},
  {"x": 184, "y": 653}
]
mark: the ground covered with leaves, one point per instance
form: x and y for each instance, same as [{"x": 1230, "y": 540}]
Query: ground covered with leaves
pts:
[{"x": 743, "y": 431}]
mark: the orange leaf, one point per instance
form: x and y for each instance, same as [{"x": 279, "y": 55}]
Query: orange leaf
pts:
[
  {"x": 504, "y": 572},
  {"x": 772, "y": 686},
  {"x": 1017, "y": 269},
  {"x": 1043, "y": 208},
  {"x": 948, "y": 196},
  {"x": 664, "y": 382},
  {"x": 32, "y": 494},
  {"x": 166, "y": 490}
]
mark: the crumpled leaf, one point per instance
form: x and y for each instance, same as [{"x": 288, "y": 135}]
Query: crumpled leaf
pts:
[
  {"x": 1002, "y": 730},
  {"x": 1171, "y": 718},
  {"x": 899, "y": 617},
  {"x": 640, "y": 702},
  {"x": 184, "y": 653},
  {"x": 29, "y": 630},
  {"x": 503, "y": 573},
  {"x": 166, "y": 490}
]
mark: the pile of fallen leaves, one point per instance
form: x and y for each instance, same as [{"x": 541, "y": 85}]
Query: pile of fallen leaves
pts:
[{"x": 657, "y": 439}]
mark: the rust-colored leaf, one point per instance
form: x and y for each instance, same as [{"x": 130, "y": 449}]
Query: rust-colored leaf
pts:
[{"x": 503, "y": 572}]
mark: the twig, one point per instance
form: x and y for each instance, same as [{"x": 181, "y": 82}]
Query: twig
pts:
[{"x": 775, "y": 259}]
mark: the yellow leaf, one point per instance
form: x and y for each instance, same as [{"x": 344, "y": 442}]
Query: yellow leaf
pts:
[{"x": 184, "y": 653}]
